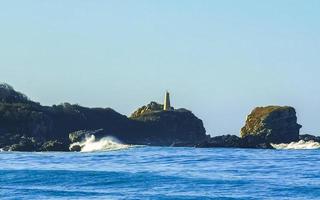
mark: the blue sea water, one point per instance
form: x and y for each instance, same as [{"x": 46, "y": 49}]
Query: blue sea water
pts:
[{"x": 162, "y": 173}]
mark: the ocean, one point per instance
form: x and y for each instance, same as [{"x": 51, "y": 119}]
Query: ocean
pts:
[{"x": 161, "y": 173}]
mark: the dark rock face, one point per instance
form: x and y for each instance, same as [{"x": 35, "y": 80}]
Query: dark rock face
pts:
[
  {"x": 79, "y": 136},
  {"x": 308, "y": 137},
  {"x": 265, "y": 125},
  {"x": 26, "y": 144},
  {"x": 54, "y": 146},
  {"x": 149, "y": 108},
  {"x": 28, "y": 126},
  {"x": 75, "y": 148},
  {"x": 272, "y": 124},
  {"x": 9, "y": 95},
  {"x": 160, "y": 127},
  {"x": 235, "y": 142},
  {"x": 255, "y": 142},
  {"x": 221, "y": 141}
]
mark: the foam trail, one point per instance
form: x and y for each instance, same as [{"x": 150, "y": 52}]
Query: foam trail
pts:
[
  {"x": 104, "y": 144},
  {"x": 298, "y": 145}
]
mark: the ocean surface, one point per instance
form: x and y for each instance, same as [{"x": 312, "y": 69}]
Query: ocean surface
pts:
[{"x": 162, "y": 173}]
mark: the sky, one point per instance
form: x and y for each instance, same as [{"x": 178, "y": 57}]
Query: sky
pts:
[{"x": 219, "y": 59}]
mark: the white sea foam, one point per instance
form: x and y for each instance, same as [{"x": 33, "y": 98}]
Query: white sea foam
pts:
[
  {"x": 90, "y": 144},
  {"x": 298, "y": 145}
]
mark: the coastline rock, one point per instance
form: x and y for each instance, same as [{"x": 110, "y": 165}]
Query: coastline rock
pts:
[
  {"x": 272, "y": 124},
  {"x": 50, "y": 126},
  {"x": 79, "y": 136},
  {"x": 25, "y": 144},
  {"x": 9, "y": 95},
  {"x": 255, "y": 142},
  {"x": 169, "y": 128},
  {"x": 28, "y": 126},
  {"x": 75, "y": 148},
  {"x": 54, "y": 146},
  {"x": 233, "y": 141},
  {"x": 307, "y": 137},
  {"x": 149, "y": 108},
  {"x": 221, "y": 141}
]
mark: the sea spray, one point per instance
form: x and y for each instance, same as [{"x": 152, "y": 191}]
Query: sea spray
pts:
[
  {"x": 90, "y": 144},
  {"x": 298, "y": 145}
]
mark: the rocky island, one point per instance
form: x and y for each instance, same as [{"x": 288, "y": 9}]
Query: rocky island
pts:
[
  {"x": 26, "y": 125},
  {"x": 264, "y": 126}
]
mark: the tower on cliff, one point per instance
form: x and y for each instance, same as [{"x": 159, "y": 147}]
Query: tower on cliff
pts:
[{"x": 166, "y": 105}]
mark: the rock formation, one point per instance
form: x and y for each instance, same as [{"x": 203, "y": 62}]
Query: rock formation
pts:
[
  {"x": 234, "y": 141},
  {"x": 28, "y": 126},
  {"x": 307, "y": 137},
  {"x": 221, "y": 141},
  {"x": 151, "y": 107},
  {"x": 265, "y": 125},
  {"x": 171, "y": 127},
  {"x": 273, "y": 124},
  {"x": 9, "y": 95}
]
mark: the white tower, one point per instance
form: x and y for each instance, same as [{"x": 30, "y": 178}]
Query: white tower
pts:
[{"x": 166, "y": 105}]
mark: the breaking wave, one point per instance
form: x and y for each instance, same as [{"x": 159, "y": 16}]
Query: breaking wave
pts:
[
  {"x": 90, "y": 144},
  {"x": 298, "y": 145}
]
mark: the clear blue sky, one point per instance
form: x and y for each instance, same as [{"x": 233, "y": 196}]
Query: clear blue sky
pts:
[{"x": 218, "y": 58}]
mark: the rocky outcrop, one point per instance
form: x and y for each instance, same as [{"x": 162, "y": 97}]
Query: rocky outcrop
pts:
[
  {"x": 272, "y": 124},
  {"x": 25, "y": 144},
  {"x": 221, "y": 141},
  {"x": 28, "y": 126},
  {"x": 9, "y": 95},
  {"x": 234, "y": 141},
  {"x": 307, "y": 137},
  {"x": 149, "y": 108},
  {"x": 79, "y": 136},
  {"x": 265, "y": 125},
  {"x": 54, "y": 145},
  {"x": 161, "y": 127}
]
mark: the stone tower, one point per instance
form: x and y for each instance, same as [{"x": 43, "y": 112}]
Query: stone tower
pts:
[{"x": 166, "y": 105}]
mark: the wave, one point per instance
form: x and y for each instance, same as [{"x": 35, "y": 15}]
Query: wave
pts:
[
  {"x": 90, "y": 144},
  {"x": 298, "y": 145}
]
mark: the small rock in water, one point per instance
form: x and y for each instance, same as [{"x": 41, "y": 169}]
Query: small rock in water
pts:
[{"x": 75, "y": 148}]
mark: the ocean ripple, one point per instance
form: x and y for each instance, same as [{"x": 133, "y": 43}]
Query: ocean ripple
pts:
[{"x": 161, "y": 173}]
